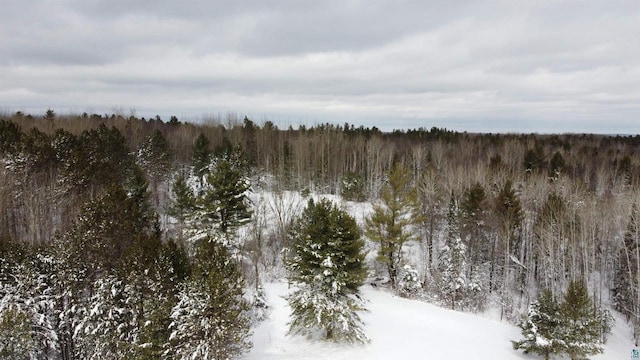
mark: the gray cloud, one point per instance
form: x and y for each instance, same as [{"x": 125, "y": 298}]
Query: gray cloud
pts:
[{"x": 476, "y": 66}]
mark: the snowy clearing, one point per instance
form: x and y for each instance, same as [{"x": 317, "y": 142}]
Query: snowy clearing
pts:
[{"x": 406, "y": 329}]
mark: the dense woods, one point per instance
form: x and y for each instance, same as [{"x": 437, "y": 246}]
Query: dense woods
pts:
[{"x": 111, "y": 227}]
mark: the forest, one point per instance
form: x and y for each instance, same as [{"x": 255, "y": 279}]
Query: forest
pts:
[{"x": 126, "y": 237}]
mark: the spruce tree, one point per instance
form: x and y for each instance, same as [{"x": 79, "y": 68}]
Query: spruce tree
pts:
[
  {"x": 541, "y": 327},
  {"x": 326, "y": 268},
  {"x": 392, "y": 219}
]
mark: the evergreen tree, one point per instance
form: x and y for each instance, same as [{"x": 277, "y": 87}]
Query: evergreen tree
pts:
[
  {"x": 452, "y": 261},
  {"x": 201, "y": 155},
  {"x": 509, "y": 208},
  {"x": 582, "y": 323},
  {"x": 410, "y": 283},
  {"x": 110, "y": 325},
  {"x": 16, "y": 340},
  {"x": 534, "y": 159},
  {"x": 182, "y": 203},
  {"x": 222, "y": 204},
  {"x": 154, "y": 156},
  {"x": 353, "y": 187},
  {"x": 210, "y": 320},
  {"x": 575, "y": 327},
  {"x": 556, "y": 166},
  {"x": 229, "y": 195},
  {"x": 472, "y": 225},
  {"x": 327, "y": 268},
  {"x": 540, "y": 327},
  {"x": 627, "y": 280},
  {"x": 392, "y": 219}
]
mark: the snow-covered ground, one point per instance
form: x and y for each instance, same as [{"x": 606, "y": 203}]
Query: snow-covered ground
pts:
[{"x": 406, "y": 329}]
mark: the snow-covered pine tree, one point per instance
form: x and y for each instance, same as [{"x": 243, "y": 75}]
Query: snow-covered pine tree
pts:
[
  {"x": 326, "y": 269},
  {"x": 541, "y": 327},
  {"x": 221, "y": 202},
  {"x": 16, "y": 338},
  {"x": 211, "y": 318},
  {"x": 582, "y": 324},
  {"x": 228, "y": 194},
  {"x": 110, "y": 325},
  {"x": 452, "y": 260},
  {"x": 27, "y": 300}
]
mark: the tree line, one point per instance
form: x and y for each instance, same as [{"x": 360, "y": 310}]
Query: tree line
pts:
[{"x": 458, "y": 218}]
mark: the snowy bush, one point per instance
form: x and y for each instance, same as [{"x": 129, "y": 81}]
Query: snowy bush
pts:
[{"x": 410, "y": 284}]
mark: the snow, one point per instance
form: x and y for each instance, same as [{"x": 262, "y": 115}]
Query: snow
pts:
[{"x": 401, "y": 328}]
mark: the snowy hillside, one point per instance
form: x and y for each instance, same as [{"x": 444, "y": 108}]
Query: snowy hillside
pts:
[{"x": 405, "y": 329}]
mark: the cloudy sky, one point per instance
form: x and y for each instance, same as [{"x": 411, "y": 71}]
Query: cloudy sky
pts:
[{"x": 489, "y": 66}]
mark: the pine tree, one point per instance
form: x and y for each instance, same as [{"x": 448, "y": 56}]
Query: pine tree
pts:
[
  {"x": 201, "y": 155},
  {"x": 210, "y": 320},
  {"x": 327, "y": 268},
  {"x": 110, "y": 326},
  {"x": 392, "y": 219},
  {"x": 182, "y": 203},
  {"x": 222, "y": 204},
  {"x": 472, "y": 225},
  {"x": 582, "y": 323},
  {"x": 229, "y": 194},
  {"x": 540, "y": 327},
  {"x": 154, "y": 156}
]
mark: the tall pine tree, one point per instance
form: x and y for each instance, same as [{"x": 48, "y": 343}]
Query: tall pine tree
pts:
[{"x": 392, "y": 219}]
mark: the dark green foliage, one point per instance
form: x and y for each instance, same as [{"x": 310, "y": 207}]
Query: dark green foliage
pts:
[
  {"x": 509, "y": 209},
  {"x": 540, "y": 327},
  {"x": 327, "y": 267},
  {"x": 534, "y": 159},
  {"x": 201, "y": 155},
  {"x": 625, "y": 286},
  {"x": 100, "y": 159},
  {"x": 37, "y": 151},
  {"x": 182, "y": 203},
  {"x": 556, "y": 166},
  {"x": 249, "y": 131},
  {"x": 154, "y": 156},
  {"x": 224, "y": 201},
  {"x": 10, "y": 136},
  {"x": 210, "y": 320},
  {"x": 472, "y": 224},
  {"x": 112, "y": 231},
  {"x": 353, "y": 187},
  {"x": 575, "y": 327},
  {"x": 582, "y": 323}
]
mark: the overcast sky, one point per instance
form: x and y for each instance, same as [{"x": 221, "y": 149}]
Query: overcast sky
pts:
[{"x": 488, "y": 66}]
